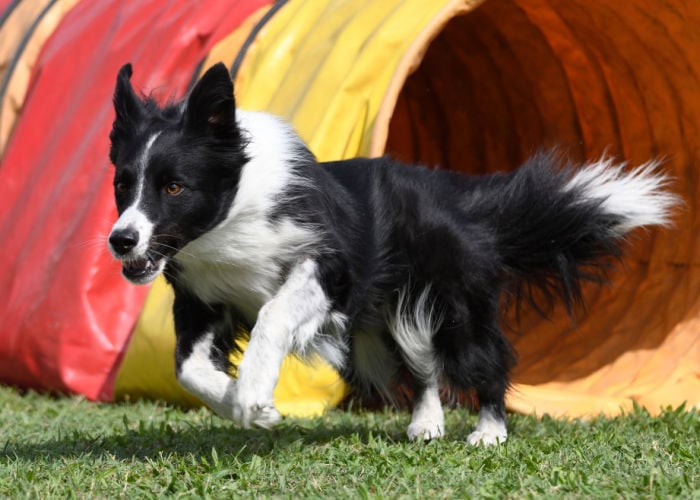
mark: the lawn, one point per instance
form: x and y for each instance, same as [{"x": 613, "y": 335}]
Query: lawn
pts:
[{"x": 69, "y": 447}]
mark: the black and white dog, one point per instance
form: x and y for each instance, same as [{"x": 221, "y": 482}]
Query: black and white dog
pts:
[{"x": 376, "y": 266}]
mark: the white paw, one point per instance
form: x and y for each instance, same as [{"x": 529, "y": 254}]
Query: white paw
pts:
[
  {"x": 249, "y": 412},
  {"x": 425, "y": 431},
  {"x": 487, "y": 437},
  {"x": 263, "y": 415}
]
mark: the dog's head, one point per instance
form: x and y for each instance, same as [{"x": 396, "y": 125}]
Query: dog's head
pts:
[{"x": 176, "y": 170}]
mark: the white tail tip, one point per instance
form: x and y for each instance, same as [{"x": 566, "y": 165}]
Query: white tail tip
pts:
[{"x": 640, "y": 196}]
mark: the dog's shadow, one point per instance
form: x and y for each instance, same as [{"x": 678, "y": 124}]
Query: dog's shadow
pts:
[{"x": 153, "y": 441}]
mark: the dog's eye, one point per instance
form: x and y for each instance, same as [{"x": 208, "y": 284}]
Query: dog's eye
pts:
[
  {"x": 121, "y": 187},
  {"x": 173, "y": 188}
]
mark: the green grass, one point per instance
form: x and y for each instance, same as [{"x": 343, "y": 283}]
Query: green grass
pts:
[{"x": 69, "y": 447}]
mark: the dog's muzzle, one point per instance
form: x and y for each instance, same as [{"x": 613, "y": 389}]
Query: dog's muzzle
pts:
[{"x": 139, "y": 269}]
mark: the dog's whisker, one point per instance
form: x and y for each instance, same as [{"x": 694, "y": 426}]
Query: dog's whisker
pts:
[{"x": 93, "y": 243}]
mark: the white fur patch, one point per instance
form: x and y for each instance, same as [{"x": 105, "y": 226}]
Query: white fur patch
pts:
[
  {"x": 271, "y": 147},
  {"x": 413, "y": 328},
  {"x": 428, "y": 419},
  {"x": 200, "y": 377},
  {"x": 638, "y": 195},
  {"x": 490, "y": 430}
]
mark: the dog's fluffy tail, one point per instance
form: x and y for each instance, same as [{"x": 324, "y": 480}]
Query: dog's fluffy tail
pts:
[{"x": 557, "y": 225}]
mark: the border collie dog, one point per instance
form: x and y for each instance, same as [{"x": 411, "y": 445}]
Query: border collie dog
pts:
[{"x": 376, "y": 266}]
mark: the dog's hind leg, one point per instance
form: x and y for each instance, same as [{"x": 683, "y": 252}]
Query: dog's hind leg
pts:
[
  {"x": 412, "y": 326},
  {"x": 427, "y": 419},
  {"x": 489, "y": 372},
  {"x": 476, "y": 355},
  {"x": 289, "y": 321},
  {"x": 491, "y": 428}
]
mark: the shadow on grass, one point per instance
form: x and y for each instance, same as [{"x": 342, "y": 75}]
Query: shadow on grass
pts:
[{"x": 164, "y": 439}]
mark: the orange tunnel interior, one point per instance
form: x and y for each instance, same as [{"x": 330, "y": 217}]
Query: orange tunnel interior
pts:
[{"x": 590, "y": 78}]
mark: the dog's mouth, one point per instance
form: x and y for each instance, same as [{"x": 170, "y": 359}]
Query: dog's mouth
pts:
[{"x": 143, "y": 270}]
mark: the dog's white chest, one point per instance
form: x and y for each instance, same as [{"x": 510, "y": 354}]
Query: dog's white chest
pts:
[
  {"x": 245, "y": 288},
  {"x": 241, "y": 262}
]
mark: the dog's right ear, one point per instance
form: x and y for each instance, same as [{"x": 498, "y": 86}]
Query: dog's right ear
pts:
[
  {"x": 128, "y": 109},
  {"x": 127, "y": 105}
]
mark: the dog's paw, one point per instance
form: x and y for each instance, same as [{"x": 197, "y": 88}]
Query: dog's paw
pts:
[
  {"x": 257, "y": 414},
  {"x": 265, "y": 416},
  {"x": 487, "y": 437},
  {"x": 425, "y": 431}
]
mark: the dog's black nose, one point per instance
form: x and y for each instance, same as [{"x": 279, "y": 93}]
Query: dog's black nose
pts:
[{"x": 123, "y": 240}]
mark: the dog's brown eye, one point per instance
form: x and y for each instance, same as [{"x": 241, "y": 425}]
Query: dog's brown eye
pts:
[
  {"x": 173, "y": 188},
  {"x": 121, "y": 187}
]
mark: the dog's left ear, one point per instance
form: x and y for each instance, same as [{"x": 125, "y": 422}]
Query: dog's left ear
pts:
[{"x": 211, "y": 107}]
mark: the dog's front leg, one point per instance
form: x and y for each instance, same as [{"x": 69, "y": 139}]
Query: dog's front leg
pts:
[
  {"x": 204, "y": 336},
  {"x": 288, "y": 321}
]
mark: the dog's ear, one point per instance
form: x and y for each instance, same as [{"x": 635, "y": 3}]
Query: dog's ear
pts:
[
  {"x": 211, "y": 107},
  {"x": 127, "y": 105},
  {"x": 128, "y": 109}
]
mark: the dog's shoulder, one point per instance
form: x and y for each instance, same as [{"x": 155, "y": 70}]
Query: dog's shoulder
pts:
[{"x": 268, "y": 137}]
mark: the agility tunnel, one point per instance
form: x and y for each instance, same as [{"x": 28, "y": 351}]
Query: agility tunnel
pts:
[{"x": 473, "y": 86}]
